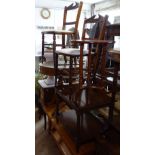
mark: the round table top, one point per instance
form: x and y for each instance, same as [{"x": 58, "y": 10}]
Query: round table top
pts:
[
  {"x": 48, "y": 64},
  {"x": 47, "y": 68}
]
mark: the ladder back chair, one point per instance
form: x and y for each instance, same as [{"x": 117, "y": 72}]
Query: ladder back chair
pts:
[
  {"x": 93, "y": 25},
  {"x": 67, "y": 10},
  {"x": 47, "y": 67},
  {"x": 89, "y": 93}
]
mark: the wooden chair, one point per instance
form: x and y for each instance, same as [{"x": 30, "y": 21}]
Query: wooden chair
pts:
[
  {"x": 113, "y": 30},
  {"x": 91, "y": 27},
  {"x": 74, "y": 24},
  {"x": 89, "y": 93},
  {"x": 44, "y": 67},
  {"x": 89, "y": 32}
]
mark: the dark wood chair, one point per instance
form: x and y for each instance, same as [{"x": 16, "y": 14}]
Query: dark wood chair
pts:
[
  {"x": 89, "y": 93},
  {"x": 93, "y": 28},
  {"x": 47, "y": 48}
]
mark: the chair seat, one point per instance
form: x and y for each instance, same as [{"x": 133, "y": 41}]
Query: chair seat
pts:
[
  {"x": 84, "y": 99},
  {"x": 71, "y": 52}
]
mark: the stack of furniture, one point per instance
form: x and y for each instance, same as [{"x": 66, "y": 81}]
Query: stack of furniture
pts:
[
  {"x": 81, "y": 89},
  {"x": 47, "y": 85}
]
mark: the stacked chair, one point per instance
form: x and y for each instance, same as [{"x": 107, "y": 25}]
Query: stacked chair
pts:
[
  {"x": 86, "y": 89},
  {"x": 81, "y": 80},
  {"x": 48, "y": 47},
  {"x": 47, "y": 95}
]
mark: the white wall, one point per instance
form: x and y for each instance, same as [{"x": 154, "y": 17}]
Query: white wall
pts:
[
  {"x": 50, "y": 3},
  {"x": 109, "y": 7},
  {"x": 112, "y": 9}
]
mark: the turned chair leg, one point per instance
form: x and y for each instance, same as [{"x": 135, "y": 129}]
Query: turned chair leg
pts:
[
  {"x": 49, "y": 126},
  {"x": 79, "y": 116},
  {"x": 44, "y": 121}
]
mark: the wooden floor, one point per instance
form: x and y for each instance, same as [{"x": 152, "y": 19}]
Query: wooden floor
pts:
[{"x": 44, "y": 144}]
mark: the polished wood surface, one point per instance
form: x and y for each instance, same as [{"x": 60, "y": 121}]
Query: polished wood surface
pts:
[
  {"x": 87, "y": 95},
  {"x": 47, "y": 68},
  {"x": 86, "y": 98}
]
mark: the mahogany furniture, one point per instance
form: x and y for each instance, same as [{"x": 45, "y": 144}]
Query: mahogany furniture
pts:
[
  {"x": 47, "y": 68},
  {"x": 97, "y": 31},
  {"x": 109, "y": 144},
  {"x": 46, "y": 100},
  {"x": 66, "y": 143},
  {"x": 85, "y": 96},
  {"x": 113, "y": 79},
  {"x": 115, "y": 56},
  {"x": 83, "y": 100},
  {"x": 63, "y": 32},
  {"x": 88, "y": 94}
]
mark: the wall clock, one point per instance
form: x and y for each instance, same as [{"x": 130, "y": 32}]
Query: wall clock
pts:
[{"x": 45, "y": 13}]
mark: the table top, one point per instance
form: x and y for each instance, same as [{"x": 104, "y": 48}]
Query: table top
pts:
[
  {"x": 47, "y": 68},
  {"x": 50, "y": 64},
  {"x": 44, "y": 85},
  {"x": 57, "y": 32}
]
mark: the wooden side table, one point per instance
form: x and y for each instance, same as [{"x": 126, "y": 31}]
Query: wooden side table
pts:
[{"x": 47, "y": 100}]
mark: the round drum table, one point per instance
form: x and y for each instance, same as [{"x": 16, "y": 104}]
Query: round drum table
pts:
[{"x": 47, "y": 68}]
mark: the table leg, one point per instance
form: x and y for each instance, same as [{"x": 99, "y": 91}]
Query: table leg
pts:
[
  {"x": 116, "y": 68},
  {"x": 42, "y": 47}
]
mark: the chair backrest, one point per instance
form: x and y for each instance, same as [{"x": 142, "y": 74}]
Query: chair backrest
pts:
[
  {"x": 96, "y": 31},
  {"x": 69, "y": 9},
  {"x": 100, "y": 24},
  {"x": 94, "y": 28},
  {"x": 98, "y": 62}
]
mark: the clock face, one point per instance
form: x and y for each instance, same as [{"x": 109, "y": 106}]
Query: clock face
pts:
[{"x": 45, "y": 13}]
